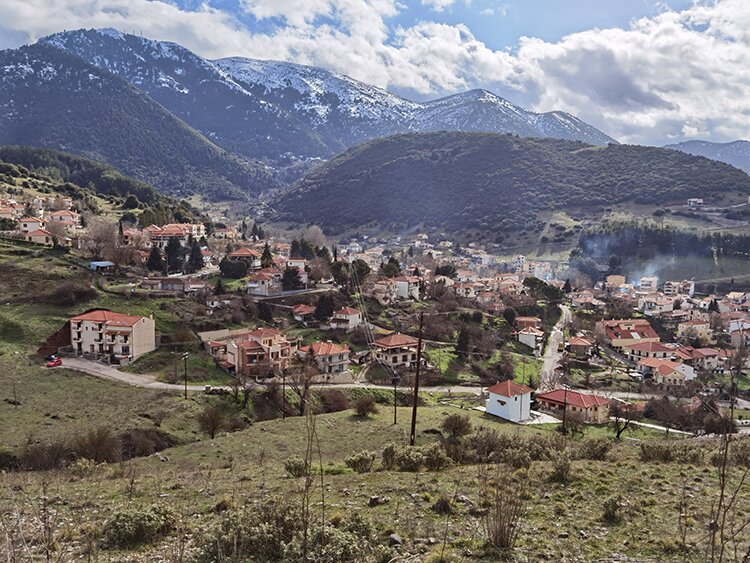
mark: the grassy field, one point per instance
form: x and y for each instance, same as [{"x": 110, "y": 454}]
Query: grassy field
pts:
[{"x": 563, "y": 522}]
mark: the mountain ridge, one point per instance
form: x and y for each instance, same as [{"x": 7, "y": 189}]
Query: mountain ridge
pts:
[{"x": 736, "y": 153}]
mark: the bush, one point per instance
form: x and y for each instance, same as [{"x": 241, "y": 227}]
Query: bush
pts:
[
  {"x": 254, "y": 534},
  {"x": 409, "y": 459},
  {"x": 741, "y": 452},
  {"x": 52, "y": 455},
  {"x": 388, "y": 455},
  {"x": 435, "y": 458},
  {"x": 457, "y": 425},
  {"x": 295, "y": 466},
  {"x": 561, "y": 468},
  {"x": 132, "y": 527},
  {"x": 361, "y": 462},
  {"x": 668, "y": 453},
  {"x": 70, "y": 294},
  {"x": 99, "y": 445},
  {"x": 442, "y": 505},
  {"x": 612, "y": 512},
  {"x": 595, "y": 449},
  {"x": 334, "y": 400},
  {"x": 328, "y": 545},
  {"x": 141, "y": 442},
  {"x": 8, "y": 460},
  {"x": 518, "y": 459},
  {"x": 365, "y": 406}
]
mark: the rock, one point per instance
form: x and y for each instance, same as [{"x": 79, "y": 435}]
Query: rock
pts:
[
  {"x": 394, "y": 539},
  {"x": 377, "y": 501},
  {"x": 563, "y": 535},
  {"x": 463, "y": 499},
  {"x": 431, "y": 541}
]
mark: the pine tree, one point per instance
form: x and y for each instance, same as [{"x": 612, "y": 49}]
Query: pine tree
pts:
[
  {"x": 464, "y": 341},
  {"x": 335, "y": 253},
  {"x": 155, "y": 263},
  {"x": 567, "y": 288},
  {"x": 264, "y": 312},
  {"x": 291, "y": 279},
  {"x": 266, "y": 259},
  {"x": 195, "y": 261},
  {"x": 173, "y": 254},
  {"x": 219, "y": 288},
  {"x": 324, "y": 307}
]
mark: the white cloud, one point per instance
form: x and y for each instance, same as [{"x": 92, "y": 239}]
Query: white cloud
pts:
[
  {"x": 673, "y": 75},
  {"x": 438, "y": 5}
]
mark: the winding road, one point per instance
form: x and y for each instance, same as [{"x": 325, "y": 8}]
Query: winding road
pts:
[{"x": 552, "y": 354}]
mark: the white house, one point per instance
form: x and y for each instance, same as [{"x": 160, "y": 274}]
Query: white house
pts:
[
  {"x": 346, "y": 319},
  {"x": 509, "y": 400},
  {"x": 531, "y": 337},
  {"x": 407, "y": 287}
]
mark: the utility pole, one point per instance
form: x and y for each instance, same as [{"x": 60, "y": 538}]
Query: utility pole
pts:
[
  {"x": 283, "y": 395},
  {"x": 565, "y": 408},
  {"x": 394, "y": 379},
  {"x": 184, "y": 358},
  {"x": 413, "y": 435}
]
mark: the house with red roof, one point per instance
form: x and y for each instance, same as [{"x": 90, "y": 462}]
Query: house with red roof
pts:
[
  {"x": 122, "y": 338},
  {"x": 303, "y": 313},
  {"x": 666, "y": 372},
  {"x": 39, "y": 236},
  {"x": 509, "y": 400},
  {"x": 29, "y": 224},
  {"x": 526, "y": 322},
  {"x": 331, "y": 358},
  {"x": 531, "y": 337},
  {"x": 261, "y": 352},
  {"x": 593, "y": 408},
  {"x": 580, "y": 346},
  {"x": 252, "y": 257},
  {"x": 622, "y": 332},
  {"x": 396, "y": 350},
  {"x": 638, "y": 350},
  {"x": 263, "y": 284},
  {"x": 346, "y": 318}
]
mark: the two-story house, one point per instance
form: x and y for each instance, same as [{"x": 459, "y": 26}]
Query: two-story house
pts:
[{"x": 105, "y": 333}]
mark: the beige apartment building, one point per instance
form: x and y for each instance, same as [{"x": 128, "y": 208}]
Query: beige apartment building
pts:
[{"x": 106, "y": 333}]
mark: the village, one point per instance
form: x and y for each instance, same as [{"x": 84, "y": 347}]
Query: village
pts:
[{"x": 374, "y": 312}]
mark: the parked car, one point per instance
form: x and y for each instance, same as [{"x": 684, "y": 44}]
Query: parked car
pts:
[
  {"x": 54, "y": 363},
  {"x": 50, "y": 358}
]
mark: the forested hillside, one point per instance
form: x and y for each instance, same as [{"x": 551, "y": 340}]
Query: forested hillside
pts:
[
  {"x": 53, "y": 99},
  {"x": 497, "y": 183}
]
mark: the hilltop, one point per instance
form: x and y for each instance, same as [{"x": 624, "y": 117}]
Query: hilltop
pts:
[
  {"x": 736, "y": 153},
  {"x": 479, "y": 183}
]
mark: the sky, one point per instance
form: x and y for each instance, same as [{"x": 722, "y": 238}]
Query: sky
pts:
[{"x": 642, "y": 71}]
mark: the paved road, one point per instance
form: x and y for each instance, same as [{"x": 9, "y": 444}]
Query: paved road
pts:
[
  {"x": 104, "y": 371},
  {"x": 552, "y": 354}
]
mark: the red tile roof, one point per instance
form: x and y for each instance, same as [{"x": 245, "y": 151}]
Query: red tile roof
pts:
[
  {"x": 325, "y": 348},
  {"x": 303, "y": 309},
  {"x": 244, "y": 252},
  {"x": 573, "y": 398},
  {"x": 109, "y": 317},
  {"x": 649, "y": 347},
  {"x": 509, "y": 388},
  {"x": 396, "y": 340},
  {"x": 347, "y": 311}
]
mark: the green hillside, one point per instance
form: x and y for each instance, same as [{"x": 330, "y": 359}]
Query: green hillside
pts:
[{"x": 487, "y": 184}]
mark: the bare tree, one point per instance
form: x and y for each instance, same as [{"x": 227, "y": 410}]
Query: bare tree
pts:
[
  {"x": 623, "y": 415},
  {"x": 212, "y": 420},
  {"x": 101, "y": 236},
  {"x": 301, "y": 377},
  {"x": 506, "y": 501}
]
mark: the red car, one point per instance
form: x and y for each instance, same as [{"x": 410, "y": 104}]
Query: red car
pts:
[{"x": 54, "y": 363}]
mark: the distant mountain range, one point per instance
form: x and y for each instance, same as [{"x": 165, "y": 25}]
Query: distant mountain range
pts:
[
  {"x": 736, "y": 153},
  {"x": 224, "y": 128},
  {"x": 482, "y": 184}
]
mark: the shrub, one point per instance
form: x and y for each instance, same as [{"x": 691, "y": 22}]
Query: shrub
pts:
[
  {"x": 388, "y": 455},
  {"x": 211, "y": 420},
  {"x": 328, "y": 545},
  {"x": 365, "y": 406},
  {"x": 612, "y": 510},
  {"x": 741, "y": 452},
  {"x": 443, "y": 505},
  {"x": 561, "y": 468},
  {"x": 52, "y": 455},
  {"x": 361, "y": 462},
  {"x": 295, "y": 466},
  {"x": 99, "y": 445},
  {"x": 506, "y": 506},
  {"x": 457, "y": 425},
  {"x": 145, "y": 441},
  {"x": 70, "y": 294},
  {"x": 435, "y": 458},
  {"x": 668, "y": 453},
  {"x": 131, "y": 527},
  {"x": 8, "y": 460},
  {"x": 518, "y": 459},
  {"x": 334, "y": 400},
  {"x": 258, "y": 534},
  {"x": 409, "y": 459},
  {"x": 595, "y": 449}
]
